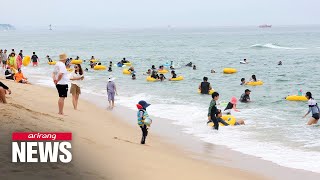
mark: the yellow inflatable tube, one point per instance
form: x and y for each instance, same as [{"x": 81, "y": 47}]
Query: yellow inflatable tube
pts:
[
  {"x": 163, "y": 71},
  {"x": 126, "y": 71},
  {"x": 69, "y": 69},
  {"x": 26, "y": 60},
  {"x": 99, "y": 67},
  {"x": 179, "y": 78},
  {"x": 257, "y": 83},
  {"x": 150, "y": 79},
  {"x": 52, "y": 63},
  {"x": 210, "y": 92},
  {"x": 229, "y": 70},
  {"x": 231, "y": 120},
  {"x": 296, "y": 98},
  {"x": 76, "y": 62},
  {"x": 128, "y": 64}
]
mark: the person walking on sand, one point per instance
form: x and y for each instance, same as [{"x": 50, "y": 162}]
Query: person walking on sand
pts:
[
  {"x": 76, "y": 77},
  {"x": 4, "y": 59},
  {"x": 60, "y": 79},
  {"x": 143, "y": 119},
  {"x": 313, "y": 108},
  {"x": 111, "y": 90},
  {"x": 3, "y": 91}
]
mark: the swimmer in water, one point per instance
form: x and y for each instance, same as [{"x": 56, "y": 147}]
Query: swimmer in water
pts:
[
  {"x": 243, "y": 81},
  {"x": 194, "y": 67},
  {"x": 232, "y": 105},
  {"x": 133, "y": 76},
  {"x": 213, "y": 71},
  {"x": 253, "y": 78},
  {"x": 162, "y": 77},
  {"x": 189, "y": 64},
  {"x": 205, "y": 86},
  {"x": 280, "y": 63}
]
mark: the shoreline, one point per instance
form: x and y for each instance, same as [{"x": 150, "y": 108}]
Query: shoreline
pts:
[
  {"x": 212, "y": 153},
  {"x": 107, "y": 145}
]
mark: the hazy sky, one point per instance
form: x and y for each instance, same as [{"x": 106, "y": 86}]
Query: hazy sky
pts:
[{"x": 158, "y": 13}]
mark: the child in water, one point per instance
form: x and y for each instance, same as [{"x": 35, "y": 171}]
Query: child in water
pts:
[
  {"x": 162, "y": 77},
  {"x": 232, "y": 105},
  {"x": 133, "y": 77},
  {"x": 253, "y": 78},
  {"x": 143, "y": 119},
  {"x": 243, "y": 81},
  {"x": 110, "y": 68},
  {"x": 213, "y": 110}
]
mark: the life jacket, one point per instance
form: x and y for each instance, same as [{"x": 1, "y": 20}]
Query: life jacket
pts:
[
  {"x": 142, "y": 117},
  {"x": 205, "y": 87}
]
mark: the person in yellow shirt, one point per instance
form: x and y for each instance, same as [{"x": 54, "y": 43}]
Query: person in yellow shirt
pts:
[{"x": 19, "y": 77}]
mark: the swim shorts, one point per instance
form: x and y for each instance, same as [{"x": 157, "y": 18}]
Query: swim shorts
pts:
[
  {"x": 316, "y": 116},
  {"x": 62, "y": 90}
]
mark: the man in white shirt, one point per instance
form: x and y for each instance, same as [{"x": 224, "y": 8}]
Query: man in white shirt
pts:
[{"x": 61, "y": 80}]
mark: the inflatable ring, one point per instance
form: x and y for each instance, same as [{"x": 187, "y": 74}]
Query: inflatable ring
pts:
[
  {"x": 76, "y": 62},
  {"x": 126, "y": 71},
  {"x": 231, "y": 120},
  {"x": 229, "y": 70},
  {"x": 210, "y": 91},
  {"x": 296, "y": 98},
  {"x": 26, "y": 60},
  {"x": 179, "y": 78},
  {"x": 99, "y": 67},
  {"x": 94, "y": 60},
  {"x": 150, "y": 79},
  {"x": 257, "y": 83},
  {"x": 167, "y": 64},
  {"x": 116, "y": 65},
  {"x": 52, "y": 63},
  {"x": 127, "y": 64},
  {"x": 163, "y": 71},
  {"x": 223, "y": 103}
]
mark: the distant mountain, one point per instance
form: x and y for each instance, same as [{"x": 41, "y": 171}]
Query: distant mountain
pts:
[{"x": 7, "y": 27}]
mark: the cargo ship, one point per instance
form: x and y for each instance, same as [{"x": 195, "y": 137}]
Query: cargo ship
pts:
[{"x": 265, "y": 26}]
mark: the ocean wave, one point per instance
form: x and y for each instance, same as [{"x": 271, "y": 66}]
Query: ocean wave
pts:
[{"x": 273, "y": 46}]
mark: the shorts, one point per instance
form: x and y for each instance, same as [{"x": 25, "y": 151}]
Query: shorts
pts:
[
  {"x": 35, "y": 63},
  {"x": 111, "y": 96},
  {"x": 316, "y": 116},
  {"x": 62, "y": 90},
  {"x": 75, "y": 90}
]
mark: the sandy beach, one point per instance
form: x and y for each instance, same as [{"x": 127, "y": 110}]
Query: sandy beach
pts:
[{"x": 103, "y": 146}]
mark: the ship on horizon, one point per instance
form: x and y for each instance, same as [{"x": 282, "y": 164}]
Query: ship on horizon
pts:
[{"x": 265, "y": 26}]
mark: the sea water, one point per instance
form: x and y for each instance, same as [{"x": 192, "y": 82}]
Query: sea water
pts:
[{"x": 274, "y": 130}]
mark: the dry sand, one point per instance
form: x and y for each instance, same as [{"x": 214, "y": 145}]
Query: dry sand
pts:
[{"x": 103, "y": 146}]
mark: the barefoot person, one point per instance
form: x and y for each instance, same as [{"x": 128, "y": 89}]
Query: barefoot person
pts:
[
  {"x": 61, "y": 80},
  {"x": 3, "y": 91},
  {"x": 313, "y": 108},
  {"x": 112, "y": 90},
  {"x": 76, "y": 78}
]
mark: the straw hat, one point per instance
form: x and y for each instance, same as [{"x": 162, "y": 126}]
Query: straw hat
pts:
[{"x": 63, "y": 57}]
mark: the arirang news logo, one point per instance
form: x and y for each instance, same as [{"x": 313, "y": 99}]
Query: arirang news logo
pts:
[{"x": 41, "y": 147}]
